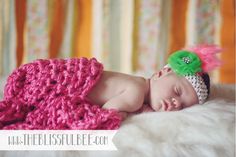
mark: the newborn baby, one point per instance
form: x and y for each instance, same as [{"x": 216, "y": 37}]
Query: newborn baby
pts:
[
  {"x": 184, "y": 82},
  {"x": 164, "y": 91},
  {"x": 56, "y": 93}
]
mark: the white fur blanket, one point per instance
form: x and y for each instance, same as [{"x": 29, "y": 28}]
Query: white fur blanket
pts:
[{"x": 206, "y": 130}]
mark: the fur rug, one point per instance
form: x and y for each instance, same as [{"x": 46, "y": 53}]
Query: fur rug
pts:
[{"x": 206, "y": 130}]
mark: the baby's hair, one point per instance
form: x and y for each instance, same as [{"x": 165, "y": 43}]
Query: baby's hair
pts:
[{"x": 206, "y": 80}]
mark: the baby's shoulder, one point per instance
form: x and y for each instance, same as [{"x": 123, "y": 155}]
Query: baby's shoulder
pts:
[
  {"x": 136, "y": 87},
  {"x": 135, "y": 92},
  {"x": 124, "y": 81},
  {"x": 131, "y": 88},
  {"x": 138, "y": 83}
]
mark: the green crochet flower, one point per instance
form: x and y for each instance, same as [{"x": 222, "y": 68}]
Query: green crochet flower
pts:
[{"x": 185, "y": 63}]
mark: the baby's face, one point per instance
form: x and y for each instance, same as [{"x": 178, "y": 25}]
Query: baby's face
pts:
[{"x": 170, "y": 92}]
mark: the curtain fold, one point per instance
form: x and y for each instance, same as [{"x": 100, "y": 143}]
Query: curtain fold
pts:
[
  {"x": 97, "y": 31},
  {"x": 126, "y": 32},
  {"x": 66, "y": 45},
  {"x": 36, "y": 31},
  {"x": 202, "y": 21},
  {"x": 227, "y": 72},
  {"x": 129, "y": 36},
  {"x": 1, "y": 39},
  {"x": 148, "y": 49},
  {"x": 178, "y": 25},
  {"x": 9, "y": 37},
  {"x": 57, "y": 27},
  {"x": 114, "y": 35},
  {"x": 106, "y": 34},
  {"x": 135, "y": 35},
  {"x": 12, "y": 37},
  {"x": 84, "y": 29},
  {"x": 20, "y": 13},
  {"x": 164, "y": 33}
]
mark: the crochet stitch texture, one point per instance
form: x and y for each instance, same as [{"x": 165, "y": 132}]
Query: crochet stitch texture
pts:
[{"x": 51, "y": 94}]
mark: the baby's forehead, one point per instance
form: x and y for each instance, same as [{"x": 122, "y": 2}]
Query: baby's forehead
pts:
[
  {"x": 176, "y": 76},
  {"x": 181, "y": 80}
]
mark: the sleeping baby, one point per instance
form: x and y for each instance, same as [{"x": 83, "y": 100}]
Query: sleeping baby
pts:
[
  {"x": 69, "y": 93},
  {"x": 182, "y": 83}
]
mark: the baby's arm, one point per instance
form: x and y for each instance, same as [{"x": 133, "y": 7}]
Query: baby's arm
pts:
[{"x": 129, "y": 100}]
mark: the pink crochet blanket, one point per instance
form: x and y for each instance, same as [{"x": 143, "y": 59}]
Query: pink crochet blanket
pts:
[{"x": 51, "y": 94}]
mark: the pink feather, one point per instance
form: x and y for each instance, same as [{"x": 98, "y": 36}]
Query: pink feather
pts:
[{"x": 207, "y": 54}]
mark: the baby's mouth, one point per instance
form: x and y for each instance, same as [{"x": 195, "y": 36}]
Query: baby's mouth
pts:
[{"x": 165, "y": 106}]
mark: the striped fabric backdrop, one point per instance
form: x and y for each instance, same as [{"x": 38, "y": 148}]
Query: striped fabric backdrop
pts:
[{"x": 130, "y": 36}]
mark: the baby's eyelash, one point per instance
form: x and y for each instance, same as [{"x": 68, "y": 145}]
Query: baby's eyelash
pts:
[{"x": 177, "y": 91}]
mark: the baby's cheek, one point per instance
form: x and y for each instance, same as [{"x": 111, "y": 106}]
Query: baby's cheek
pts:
[{"x": 188, "y": 105}]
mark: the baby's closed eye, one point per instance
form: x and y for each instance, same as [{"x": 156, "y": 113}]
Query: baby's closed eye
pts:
[{"x": 177, "y": 91}]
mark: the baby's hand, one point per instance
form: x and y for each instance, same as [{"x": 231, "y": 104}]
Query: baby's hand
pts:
[{"x": 123, "y": 115}]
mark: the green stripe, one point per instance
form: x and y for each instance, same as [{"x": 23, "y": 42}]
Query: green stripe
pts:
[{"x": 114, "y": 35}]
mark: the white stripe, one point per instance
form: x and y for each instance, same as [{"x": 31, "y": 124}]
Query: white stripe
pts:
[
  {"x": 12, "y": 39},
  {"x": 97, "y": 41},
  {"x": 190, "y": 24},
  {"x": 65, "y": 51},
  {"x": 114, "y": 56},
  {"x": 218, "y": 23},
  {"x": 5, "y": 39},
  {"x": 1, "y": 39},
  {"x": 163, "y": 40},
  {"x": 126, "y": 26}
]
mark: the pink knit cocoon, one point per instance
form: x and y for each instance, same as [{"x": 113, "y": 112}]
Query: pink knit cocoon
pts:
[{"x": 51, "y": 94}]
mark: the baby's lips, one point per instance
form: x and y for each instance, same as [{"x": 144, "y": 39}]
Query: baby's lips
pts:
[
  {"x": 164, "y": 106},
  {"x": 159, "y": 74},
  {"x": 167, "y": 106}
]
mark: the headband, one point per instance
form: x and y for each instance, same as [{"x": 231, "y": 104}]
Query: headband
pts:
[{"x": 192, "y": 62}]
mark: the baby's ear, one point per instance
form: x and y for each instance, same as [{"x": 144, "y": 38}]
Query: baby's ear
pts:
[
  {"x": 166, "y": 70},
  {"x": 162, "y": 72}
]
